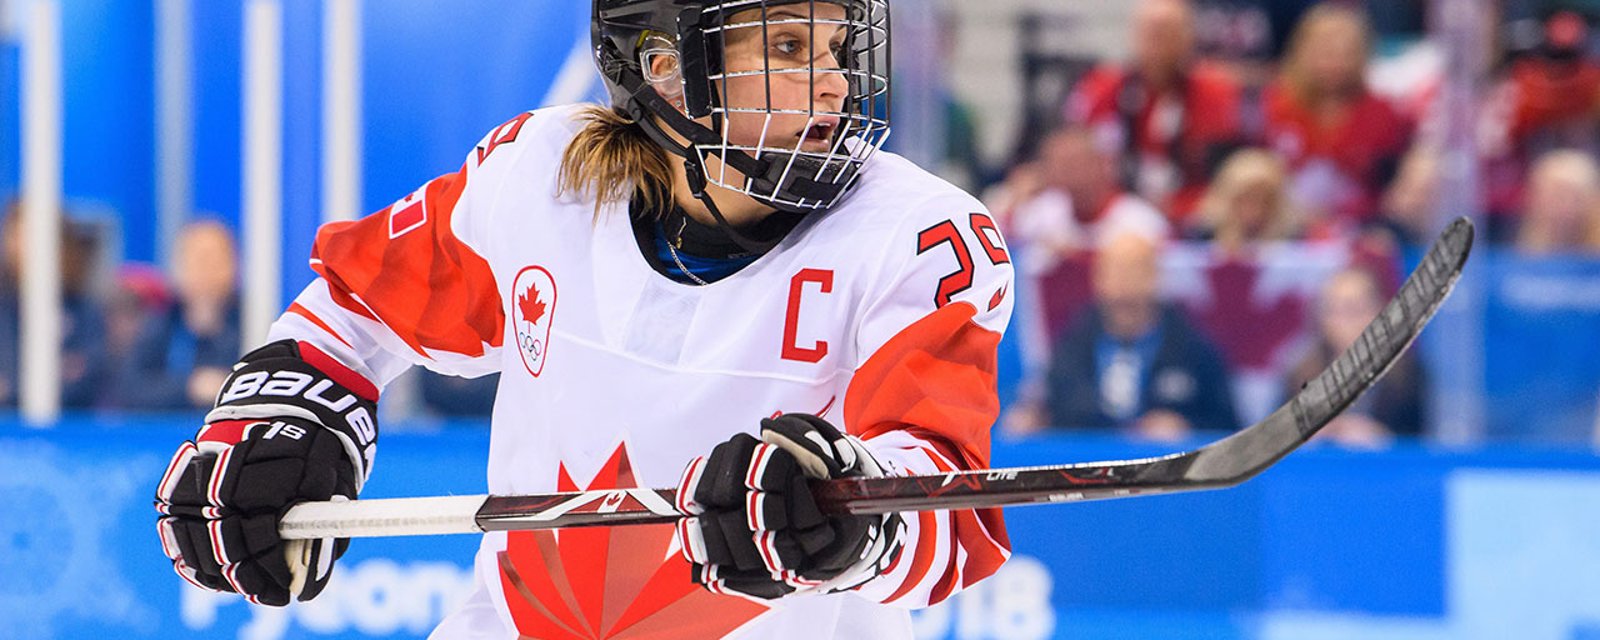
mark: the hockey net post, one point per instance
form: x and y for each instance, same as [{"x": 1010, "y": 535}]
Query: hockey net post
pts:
[{"x": 1224, "y": 463}]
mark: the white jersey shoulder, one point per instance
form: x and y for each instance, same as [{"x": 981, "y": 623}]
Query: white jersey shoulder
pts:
[
  {"x": 936, "y": 245},
  {"x": 900, "y": 194},
  {"x": 528, "y": 147}
]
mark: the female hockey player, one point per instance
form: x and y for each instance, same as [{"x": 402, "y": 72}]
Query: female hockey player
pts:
[{"x": 714, "y": 284}]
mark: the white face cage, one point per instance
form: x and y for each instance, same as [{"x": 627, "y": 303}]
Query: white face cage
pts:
[{"x": 814, "y": 169}]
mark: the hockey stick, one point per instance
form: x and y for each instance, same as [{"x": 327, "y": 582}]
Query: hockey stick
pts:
[{"x": 1224, "y": 463}]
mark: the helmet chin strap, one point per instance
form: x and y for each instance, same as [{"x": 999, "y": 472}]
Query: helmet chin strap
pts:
[
  {"x": 695, "y": 170},
  {"x": 693, "y": 163}
]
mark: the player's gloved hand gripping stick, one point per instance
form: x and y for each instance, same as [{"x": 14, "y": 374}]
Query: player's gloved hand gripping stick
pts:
[
  {"x": 756, "y": 529},
  {"x": 1223, "y": 463},
  {"x": 291, "y": 425}
]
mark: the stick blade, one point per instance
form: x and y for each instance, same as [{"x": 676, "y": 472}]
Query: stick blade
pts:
[{"x": 1244, "y": 454}]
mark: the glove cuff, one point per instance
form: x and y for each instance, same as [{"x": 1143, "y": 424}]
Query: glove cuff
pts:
[{"x": 295, "y": 379}]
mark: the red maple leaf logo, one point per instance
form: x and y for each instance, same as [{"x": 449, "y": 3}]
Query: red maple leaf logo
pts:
[
  {"x": 610, "y": 582},
  {"x": 532, "y": 307}
]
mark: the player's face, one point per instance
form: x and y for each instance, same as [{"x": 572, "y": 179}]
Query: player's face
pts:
[{"x": 786, "y": 88}]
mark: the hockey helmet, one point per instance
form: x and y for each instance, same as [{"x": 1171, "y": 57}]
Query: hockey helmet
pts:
[{"x": 779, "y": 170}]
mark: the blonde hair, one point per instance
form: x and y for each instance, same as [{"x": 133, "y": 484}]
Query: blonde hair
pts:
[
  {"x": 1296, "y": 72},
  {"x": 1572, "y": 169},
  {"x": 611, "y": 159},
  {"x": 1243, "y": 169}
]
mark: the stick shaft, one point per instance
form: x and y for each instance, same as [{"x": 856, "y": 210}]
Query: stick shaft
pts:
[{"x": 1223, "y": 463}]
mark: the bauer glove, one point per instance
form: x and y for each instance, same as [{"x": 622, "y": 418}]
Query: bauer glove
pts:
[
  {"x": 756, "y": 530},
  {"x": 291, "y": 425}
]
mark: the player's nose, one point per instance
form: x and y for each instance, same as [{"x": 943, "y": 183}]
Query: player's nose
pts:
[{"x": 831, "y": 87}]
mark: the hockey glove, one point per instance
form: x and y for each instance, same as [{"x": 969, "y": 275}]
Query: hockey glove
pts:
[
  {"x": 757, "y": 532},
  {"x": 291, "y": 425}
]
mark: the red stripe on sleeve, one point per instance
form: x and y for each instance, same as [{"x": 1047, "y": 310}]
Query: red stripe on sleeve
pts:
[
  {"x": 947, "y": 582},
  {"x": 922, "y": 558},
  {"x": 299, "y": 310}
]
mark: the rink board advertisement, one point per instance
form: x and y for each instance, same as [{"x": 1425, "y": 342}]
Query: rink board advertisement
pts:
[{"x": 1329, "y": 544}]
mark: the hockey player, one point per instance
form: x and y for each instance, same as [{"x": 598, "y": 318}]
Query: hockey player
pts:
[{"x": 716, "y": 284}]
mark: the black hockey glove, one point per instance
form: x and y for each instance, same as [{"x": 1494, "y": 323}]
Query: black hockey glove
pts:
[
  {"x": 291, "y": 425},
  {"x": 758, "y": 532}
]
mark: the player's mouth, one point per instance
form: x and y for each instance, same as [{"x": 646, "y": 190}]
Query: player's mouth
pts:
[{"x": 821, "y": 134}]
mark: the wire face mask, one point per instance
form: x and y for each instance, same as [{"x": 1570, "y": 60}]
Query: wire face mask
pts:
[
  {"x": 803, "y": 87},
  {"x": 781, "y": 100}
]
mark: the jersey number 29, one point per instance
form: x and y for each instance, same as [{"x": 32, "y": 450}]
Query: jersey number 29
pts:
[{"x": 946, "y": 233}]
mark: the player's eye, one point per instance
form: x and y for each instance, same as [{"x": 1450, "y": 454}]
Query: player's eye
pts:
[{"x": 788, "y": 46}]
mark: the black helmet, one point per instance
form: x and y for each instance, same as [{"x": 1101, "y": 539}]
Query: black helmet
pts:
[{"x": 628, "y": 35}]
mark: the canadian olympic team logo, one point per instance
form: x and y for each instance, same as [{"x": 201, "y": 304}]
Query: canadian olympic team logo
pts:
[{"x": 533, "y": 305}]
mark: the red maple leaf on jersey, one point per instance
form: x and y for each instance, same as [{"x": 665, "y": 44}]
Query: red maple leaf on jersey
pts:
[
  {"x": 532, "y": 307},
  {"x": 599, "y": 583}
]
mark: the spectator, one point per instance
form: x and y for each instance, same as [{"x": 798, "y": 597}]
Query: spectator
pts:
[
  {"x": 1057, "y": 210},
  {"x": 184, "y": 353},
  {"x": 1169, "y": 116},
  {"x": 1247, "y": 204},
  {"x": 83, "y": 356},
  {"x": 1556, "y": 90},
  {"x": 1349, "y": 301},
  {"x": 1342, "y": 142},
  {"x": 1134, "y": 362},
  {"x": 1561, "y": 213},
  {"x": 141, "y": 291},
  {"x": 1068, "y": 199}
]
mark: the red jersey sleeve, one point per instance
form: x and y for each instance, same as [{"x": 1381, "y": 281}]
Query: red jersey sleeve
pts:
[{"x": 924, "y": 395}]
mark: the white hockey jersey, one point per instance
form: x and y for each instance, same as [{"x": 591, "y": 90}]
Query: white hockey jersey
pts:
[{"x": 881, "y": 315}]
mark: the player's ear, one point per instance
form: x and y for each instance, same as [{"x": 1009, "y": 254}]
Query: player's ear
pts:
[{"x": 662, "y": 70}]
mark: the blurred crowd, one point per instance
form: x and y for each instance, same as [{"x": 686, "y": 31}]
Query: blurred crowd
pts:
[
  {"x": 1232, "y": 172},
  {"x": 1199, "y": 231},
  {"x": 136, "y": 339}
]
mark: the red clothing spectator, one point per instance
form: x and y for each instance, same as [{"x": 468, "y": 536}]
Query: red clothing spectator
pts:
[
  {"x": 1557, "y": 90},
  {"x": 1342, "y": 142},
  {"x": 1343, "y": 162},
  {"x": 1170, "y": 140},
  {"x": 1554, "y": 94},
  {"x": 1170, "y": 117}
]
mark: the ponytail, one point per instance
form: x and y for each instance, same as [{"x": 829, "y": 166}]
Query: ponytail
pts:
[{"x": 610, "y": 159}]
